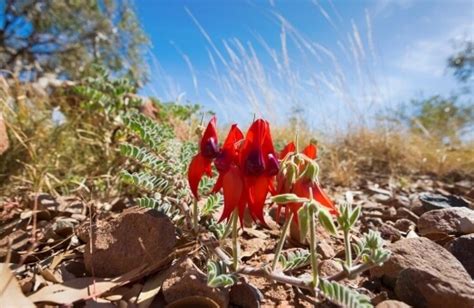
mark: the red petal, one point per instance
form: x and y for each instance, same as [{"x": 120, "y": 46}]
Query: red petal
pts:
[
  {"x": 197, "y": 168},
  {"x": 289, "y": 148},
  {"x": 257, "y": 194},
  {"x": 210, "y": 132},
  {"x": 219, "y": 183},
  {"x": 234, "y": 136},
  {"x": 323, "y": 199},
  {"x": 311, "y": 151},
  {"x": 233, "y": 186}
]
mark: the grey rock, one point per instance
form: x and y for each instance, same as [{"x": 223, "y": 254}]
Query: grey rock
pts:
[{"x": 455, "y": 220}]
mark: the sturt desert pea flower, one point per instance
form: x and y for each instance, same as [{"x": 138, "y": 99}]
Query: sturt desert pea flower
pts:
[
  {"x": 298, "y": 175},
  {"x": 259, "y": 166},
  {"x": 230, "y": 178},
  {"x": 201, "y": 163},
  {"x": 247, "y": 168}
]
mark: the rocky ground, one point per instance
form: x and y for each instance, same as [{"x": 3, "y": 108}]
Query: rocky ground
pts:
[{"x": 136, "y": 257}]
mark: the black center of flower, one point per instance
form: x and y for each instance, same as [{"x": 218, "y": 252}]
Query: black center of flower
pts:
[
  {"x": 254, "y": 165},
  {"x": 272, "y": 166},
  {"x": 222, "y": 161},
  {"x": 210, "y": 149}
]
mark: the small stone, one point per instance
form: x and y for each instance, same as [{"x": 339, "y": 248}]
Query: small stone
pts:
[
  {"x": 382, "y": 198},
  {"x": 245, "y": 295},
  {"x": 389, "y": 233},
  {"x": 405, "y": 225},
  {"x": 187, "y": 281},
  {"x": 124, "y": 243},
  {"x": 432, "y": 201},
  {"x": 325, "y": 250},
  {"x": 406, "y": 213},
  {"x": 402, "y": 201},
  {"x": 463, "y": 249},
  {"x": 64, "y": 226},
  {"x": 330, "y": 267},
  {"x": 455, "y": 220},
  {"x": 392, "y": 304}
]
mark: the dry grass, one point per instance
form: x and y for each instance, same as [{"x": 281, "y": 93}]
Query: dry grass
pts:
[{"x": 363, "y": 151}]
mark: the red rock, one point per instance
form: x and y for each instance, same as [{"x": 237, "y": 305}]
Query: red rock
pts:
[
  {"x": 424, "y": 274},
  {"x": 187, "y": 281},
  {"x": 421, "y": 287},
  {"x": 463, "y": 249},
  {"x": 126, "y": 242}
]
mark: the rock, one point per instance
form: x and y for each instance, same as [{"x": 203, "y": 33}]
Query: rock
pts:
[
  {"x": 389, "y": 233},
  {"x": 187, "y": 281},
  {"x": 136, "y": 236},
  {"x": 245, "y": 295},
  {"x": 422, "y": 258},
  {"x": 329, "y": 267},
  {"x": 392, "y": 304},
  {"x": 455, "y": 220},
  {"x": 423, "y": 287},
  {"x": 463, "y": 249},
  {"x": 382, "y": 198},
  {"x": 407, "y": 214},
  {"x": 64, "y": 226},
  {"x": 405, "y": 225},
  {"x": 432, "y": 201},
  {"x": 401, "y": 201},
  {"x": 4, "y": 142},
  {"x": 325, "y": 250}
]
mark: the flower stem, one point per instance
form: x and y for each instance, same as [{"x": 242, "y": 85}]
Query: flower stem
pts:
[
  {"x": 347, "y": 247},
  {"x": 312, "y": 248},
  {"x": 282, "y": 240},
  {"x": 195, "y": 217},
  {"x": 235, "y": 244}
]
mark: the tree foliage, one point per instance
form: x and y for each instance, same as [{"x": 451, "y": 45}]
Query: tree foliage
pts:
[{"x": 67, "y": 37}]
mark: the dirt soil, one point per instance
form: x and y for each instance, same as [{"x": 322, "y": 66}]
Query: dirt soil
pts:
[{"x": 46, "y": 242}]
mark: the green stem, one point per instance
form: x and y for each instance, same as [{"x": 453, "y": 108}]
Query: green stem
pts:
[
  {"x": 235, "y": 244},
  {"x": 312, "y": 248},
  {"x": 195, "y": 217},
  {"x": 347, "y": 247},
  {"x": 282, "y": 240}
]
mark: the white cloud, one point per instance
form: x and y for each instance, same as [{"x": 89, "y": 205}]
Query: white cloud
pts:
[
  {"x": 384, "y": 8},
  {"x": 429, "y": 55}
]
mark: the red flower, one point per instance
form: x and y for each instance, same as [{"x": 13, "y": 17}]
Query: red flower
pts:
[
  {"x": 311, "y": 151},
  {"x": 303, "y": 185},
  {"x": 228, "y": 155},
  {"x": 302, "y": 189},
  {"x": 289, "y": 148},
  {"x": 259, "y": 166},
  {"x": 201, "y": 163}
]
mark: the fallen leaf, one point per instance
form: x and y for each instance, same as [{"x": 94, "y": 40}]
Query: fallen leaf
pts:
[
  {"x": 152, "y": 287},
  {"x": 10, "y": 291}
]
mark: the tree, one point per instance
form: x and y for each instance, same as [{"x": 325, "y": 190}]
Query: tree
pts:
[
  {"x": 462, "y": 62},
  {"x": 66, "y": 37}
]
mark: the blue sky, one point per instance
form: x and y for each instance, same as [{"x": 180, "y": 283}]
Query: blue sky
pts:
[{"x": 336, "y": 60}]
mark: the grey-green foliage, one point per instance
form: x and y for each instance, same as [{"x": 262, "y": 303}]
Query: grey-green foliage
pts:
[
  {"x": 218, "y": 275},
  {"x": 157, "y": 161},
  {"x": 212, "y": 205},
  {"x": 370, "y": 249},
  {"x": 348, "y": 216},
  {"x": 343, "y": 295},
  {"x": 294, "y": 259}
]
